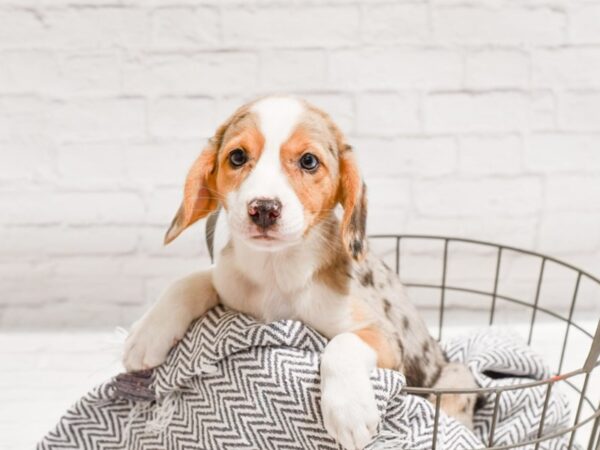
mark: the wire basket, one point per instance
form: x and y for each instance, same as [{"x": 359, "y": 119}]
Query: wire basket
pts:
[{"x": 487, "y": 296}]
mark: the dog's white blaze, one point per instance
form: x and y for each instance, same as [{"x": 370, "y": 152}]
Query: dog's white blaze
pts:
[{"x": 277, "y": 119}]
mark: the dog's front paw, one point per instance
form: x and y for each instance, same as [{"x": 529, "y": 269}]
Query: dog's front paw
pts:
[
  {"x": 349, "y": 410},
  {"x": 149, "y": 342}
]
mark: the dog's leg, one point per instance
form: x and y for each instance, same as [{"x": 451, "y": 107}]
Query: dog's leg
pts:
[
  {"x": 166, "y": 322},
  {"x": 459, "y": 406},
  {"x": 348, "y": 403}
]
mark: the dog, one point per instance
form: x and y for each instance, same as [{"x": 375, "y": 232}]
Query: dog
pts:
[{"x": 280, "y": 167}]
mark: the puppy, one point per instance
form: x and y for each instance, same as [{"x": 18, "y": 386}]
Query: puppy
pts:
[{"x": 279, "y": 167}]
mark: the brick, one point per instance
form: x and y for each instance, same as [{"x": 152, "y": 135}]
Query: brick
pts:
[
  {"x": 491, "y": 155},
  {"x": 25, "y": 162},
  {"x": 160, "y": 163},
  {"x": 284, "y": 26},
  {"x": 96, "y": 73},
  {"x": 383, "y": 68},
  {"x": 28, "y": 71},
  {"x": 519, "y": 231},
  {"x": 292, "y": 70},
  {"x": 22, "y": 29},
  {"x": 555, "y": 68},
  {"x": 23, "y": 119},
  {"x": 415, "y": 156},
  {"x": 182, "y": 117},
  {"x": 580, "y": 111},
  {"x": 98, "y": 27},
  {"x": 583, "y": 23},
  {"x": 339, "y": 106},
  {"x": 190, "y": 244},
  {"x": 57, "y": 240},
  {"x": 509, "y": 25},
  {"x": 490, "y": 69},
  {"x": 185, "y": 27},
  {"x": 396, "y": 23},
  {"x": 573, "y": 193},
  {"x": 508, "y": 197},
  {"x": 70, "y": 208},
  {"x": 99, "y": 119},
  {"x": 388, "y": 193},
  {"x": 553, "y": 152},
  {"x": 193, "y": 74},
  {"x": 570, "y": 232},
  {"x": 91, "y": 164},
  {"x": 460, "y": 112},
  {"x": 387, "y": 114}
]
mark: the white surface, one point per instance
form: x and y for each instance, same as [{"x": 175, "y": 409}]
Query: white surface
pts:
[
  {"x": 471, "y": 118},
  {"x": 42, "y": 374}
]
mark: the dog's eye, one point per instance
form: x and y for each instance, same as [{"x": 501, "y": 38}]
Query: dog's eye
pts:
[
  {"x": 309, "y": 162},
  {"x": 238, "y": 157}
]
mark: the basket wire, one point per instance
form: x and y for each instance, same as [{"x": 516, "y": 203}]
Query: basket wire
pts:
[{"x": 587, "y": 370}]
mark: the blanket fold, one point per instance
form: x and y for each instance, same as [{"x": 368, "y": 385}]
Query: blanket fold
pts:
[{"x": 234, "y": 383}]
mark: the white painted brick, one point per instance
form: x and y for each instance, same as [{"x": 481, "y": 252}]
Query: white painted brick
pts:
[
  {"x": 99, "y": 119},
  {"x": 507, "y": 197},
  {"x": 396, "y": 23},
  {"x": 70, "y": 208},
  {"x": 508, "y": 25},
  {"x": 191, "y": 243},
  {"x": 580, "y": 111},
  {"x": 182, "y": 117},
  {"x": 339, "y": 106},
  {"x": 520, "y": 231},
  {"x": 28, "y": 71},
  {"x": 459, "y": 112},
  {"x": 555, "y": 68},
  {"x": 91, "y": 164},
  {"x": 85, "y": 73},
  {"x": 383, "y": 68},
  {"x": 197, "y": 73},
  {"x": 570, "y": 232},
  {"x": 491, "y": 155},
  {"x": 98, "y": 27},
  {"x": 23, "y": 119},
  {"x": 291, "y": 26},
  {"x": 185, "y": 27},
  {"x": 161, "y": 163},
  {"x": 573, "y": 193},
  {"x": 415, "y": 156},
  {"x": 21, "y": 28},
  {"x": 583, "y": 23},
  {"x": 292, "y": 70},
  {"x": 387, "y": 113},
  {"x": 21, "y": 162},
  {"x": 58, "y": 241},
  {"x": 389, "y": 193},
  {"x": 553, "y": 152},
  {"x": 497, "y": 68}
]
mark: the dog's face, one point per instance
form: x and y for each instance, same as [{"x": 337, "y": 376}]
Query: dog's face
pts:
[{"x": 278, "y": 166}]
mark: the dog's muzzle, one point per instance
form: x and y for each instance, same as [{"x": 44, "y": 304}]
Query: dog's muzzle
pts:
[{"x": 264, "y": 212}]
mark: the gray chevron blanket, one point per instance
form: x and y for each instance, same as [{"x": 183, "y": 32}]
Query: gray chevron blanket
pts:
[{"x": 233, "y": 383}]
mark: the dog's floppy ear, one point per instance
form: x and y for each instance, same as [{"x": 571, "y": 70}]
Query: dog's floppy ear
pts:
[
  {"x": 199, "y": 198},
  {"x": 353, "y": 197}
]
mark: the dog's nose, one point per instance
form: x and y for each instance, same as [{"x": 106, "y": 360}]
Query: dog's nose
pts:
[{"x": 264, "y": 212}]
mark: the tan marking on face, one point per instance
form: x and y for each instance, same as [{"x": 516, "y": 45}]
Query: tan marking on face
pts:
[
  {"x": 373, "y": 337},
  {"x": 248, "y": 137},
  {"x": 316, "y": 190}
]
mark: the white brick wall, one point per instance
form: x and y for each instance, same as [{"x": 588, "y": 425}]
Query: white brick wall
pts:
[{"x": 471, "y": 118}]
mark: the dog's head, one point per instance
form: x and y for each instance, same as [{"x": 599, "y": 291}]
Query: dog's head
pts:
[{"x": 279, "y": 166}]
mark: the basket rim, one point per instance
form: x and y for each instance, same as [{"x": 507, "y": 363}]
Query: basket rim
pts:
[{"x": 486, "y": 243}]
